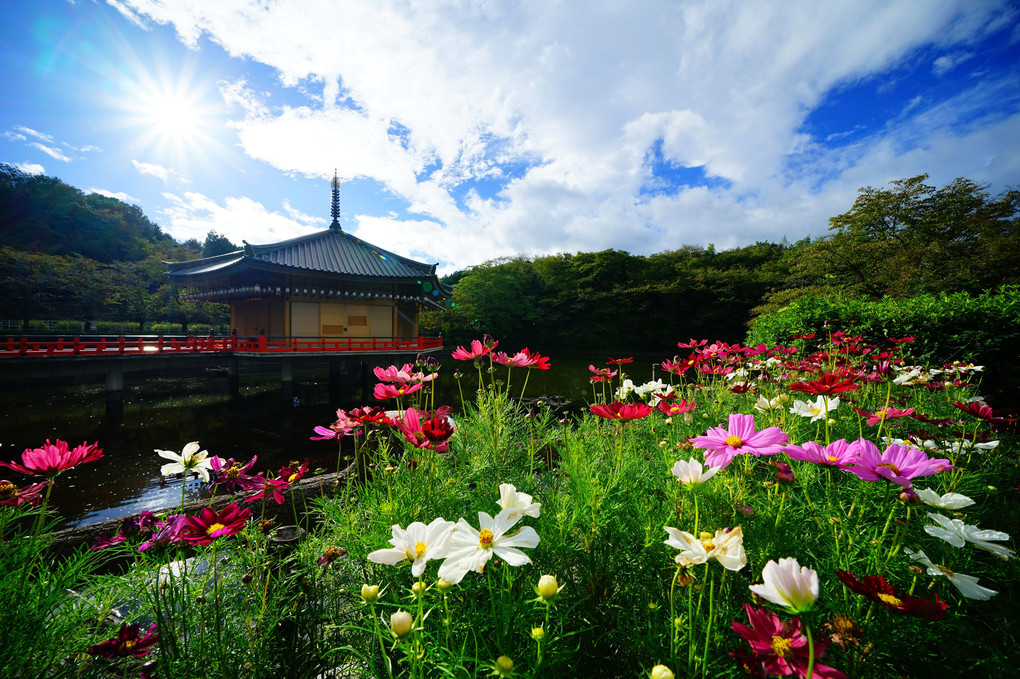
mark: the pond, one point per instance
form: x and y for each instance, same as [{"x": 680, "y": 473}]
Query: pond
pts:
[{"x": 168, "y": 411}]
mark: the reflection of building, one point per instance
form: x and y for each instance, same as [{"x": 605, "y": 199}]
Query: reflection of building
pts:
[{"x": 326, "y": 284}]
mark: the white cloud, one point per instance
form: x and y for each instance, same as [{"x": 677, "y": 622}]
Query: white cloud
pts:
[
  {"x": 114, "y": 194},
  {"x": 158, "y": 171},
  {"x": 194, "y": 215},
  {"x": 28, "y": 131},
  {"x": 52, "y": 152},
  {"x": 30, "y": 168},
  {"x": 562, "y": 104}
]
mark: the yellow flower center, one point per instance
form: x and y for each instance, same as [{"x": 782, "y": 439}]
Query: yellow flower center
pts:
[
  {"x": 128, "y": 644},
  {"x": 890, "y": 466},
  {"x": 783, "y": 647},
  {"x": 292, "y": 478},
  {"x": 485, "y": 538},
  {"x": 880, "y": 414},
  {"x": 890, "y": 599},
  {"x": 419, "y": 549},
  {"x": 7, "y": 491},
  {"x": 706, "y": 540},
  {"x": 831, "y": 458},
  {"x": 946, "y": 571},
  {"x": 213, "y": 528},
  {"x": 734, "y": 441},
  {"x": 234, "y": 472}
]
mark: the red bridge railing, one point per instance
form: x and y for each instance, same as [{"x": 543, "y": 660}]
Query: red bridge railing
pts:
[{"x": 21, "y": 347}]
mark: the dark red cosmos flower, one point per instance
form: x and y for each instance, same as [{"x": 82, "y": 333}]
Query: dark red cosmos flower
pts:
[
  {"x": 210, "y": 524},
  {"x": 621, "y": 411},
  {"x": 51, "y": 459},
  {"x": 437, "y": 430},
  {"x": 979, "y": 410},
  {"x": 330, "y": 555},
  {"x": 692, "y": 344},
  {"x": 369, "y": 415},
  {"x": 779, "y": 647},
  {"x": 618, "y": 361},
  {"x": 827, "y": 385},
  {"x": 127, "y": 643},
  {"x": 670, "y": 408},
  {"x": 293, "y": 472},
  {"x": 804, "y": 335},
  {"x": 12, "y": 496},
  {"x": 103, "y": 541},
  {"x": 875, "y": 588}
]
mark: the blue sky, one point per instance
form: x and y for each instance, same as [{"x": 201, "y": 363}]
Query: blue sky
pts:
[{"x": 469, "y": 130}]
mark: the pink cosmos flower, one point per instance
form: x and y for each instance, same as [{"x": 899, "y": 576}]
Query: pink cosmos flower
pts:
[
  {"x": 269, "y": 487},
  {"x": 477, "y": 351},
  {"x": 897, "y": 463},
  {"x": 385, "y": 391},
  {"x": 679, "y": 407},
  {"x": 233, "y": 475},
  {"x": 522, "y": 359},
  {"x": 51, "y": 459},
  {"x": 432, "y": 433},
  {"x": 781, "y": 648},
  {"x": 210, "y": 524},
  {"x": 837, "y": 454},
  {"x": 722, "y": 445},
  {"x": 168, "y": 531},
  {"x": 621, "y": 411},
  {"x": 402, "y": 375}
]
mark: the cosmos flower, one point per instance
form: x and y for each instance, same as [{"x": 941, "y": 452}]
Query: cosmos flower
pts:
[
  {"x": 691, "y": 472},
  {"x": 510, "y": 498},
  {"x": 168, "y": 531},
  {"x": 722, "y": 445},
  {"x": 788, "y": 584},
  {"x": 477, "y": 351},
  {"x": 127, "y": 643},
  {"x": 434, "y": 433},
  {"x": 882, "y": 415},
  {"x": 875, "y": 588},
  {"x": 781, "y": 648},
  {"x": 819, "y": 410},
  {"x": 269, "y": 487},
  {"x": 232, "y": 475},
  {"x": 726, "y": 547},
  {"x": 471, "y": 549},
  {"x": 957, "y": 533},
  {"x": 522, "y": 359},
  {"x": 947, "y": 501},
  {"x": 418, "y": 544},
  {"x": 210, "y": 524},
  {"x": 621, "y": 411},
  {"x": 967, "y": 584},
  {"x": 837, "y": 454},
  {"x": 670, "y": 408},
  {"x": 383, "y": 391},
  {"x": 191, "y": 459},
  {"x": 826, "y": 385},
  {"x": 896, "y": 463},
  {"x": 12, "y": 496},
  {"x": 50, "y": 459}
]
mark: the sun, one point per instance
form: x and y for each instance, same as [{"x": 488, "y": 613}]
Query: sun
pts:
[{"x": 174, "y": 116}]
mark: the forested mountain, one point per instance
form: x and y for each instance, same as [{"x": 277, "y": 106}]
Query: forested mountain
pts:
[{"x": 70, "y": 255}]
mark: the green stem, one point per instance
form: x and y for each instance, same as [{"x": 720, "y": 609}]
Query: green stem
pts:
[
  {"x": 708, "y": 627},
  {"x": 811, "y": 651}
]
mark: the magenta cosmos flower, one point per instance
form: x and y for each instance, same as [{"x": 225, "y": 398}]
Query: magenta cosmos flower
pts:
[
  {"x": 522, "y": 359},
  {"x": 837, "y": 454},
  {"x": 434, "y": 433},
  {"x": 781, "y": 648},
  {"x": 896, "y": 463},
  {"x": 477, "y": 351},
  {"x": 51, "y": 459},
  {"x": 385, "y": 391},
  {"x": 621, "y": 411},
  {"x": 210, "y": 524},
  {"x": 882, "y": 415},
  {"x": 127, "y": 643},
  {"x": 722, "y": 445}
]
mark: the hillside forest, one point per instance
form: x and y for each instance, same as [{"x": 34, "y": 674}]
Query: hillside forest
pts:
[{"x": 70, "y": 255}]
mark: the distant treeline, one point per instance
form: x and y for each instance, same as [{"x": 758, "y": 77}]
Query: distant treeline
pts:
[
  {"x": 906, "y": 240},
  {"x": 70, "y": 255}
]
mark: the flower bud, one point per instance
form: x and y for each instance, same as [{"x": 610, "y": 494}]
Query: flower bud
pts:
[
  {"x": 417, "y": 589},
  {"x": 369, "y": 593},
  {"x": 443, "y": 585},
  {"x": 505, "y": 666},
  {"x": 537, "y": 633},
  {"x": 401, "y": 623},
  {"x": 661, "y": 672},
  {"x": 548, "y": 588}
]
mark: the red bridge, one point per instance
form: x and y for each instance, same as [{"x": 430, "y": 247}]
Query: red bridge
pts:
[{"x": 24, "y": 347}]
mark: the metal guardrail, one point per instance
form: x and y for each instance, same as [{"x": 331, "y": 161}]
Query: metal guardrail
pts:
[{"x": 25, "y": 346}]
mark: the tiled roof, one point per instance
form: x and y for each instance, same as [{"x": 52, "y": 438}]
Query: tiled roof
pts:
[{"x": 329, "y": 252}]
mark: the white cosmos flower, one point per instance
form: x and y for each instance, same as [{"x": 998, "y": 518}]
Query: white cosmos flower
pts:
[
  {"x": 623, "y": 392},
  {"x": 957, "y": 533},
  {"x": 471, "y": 549},
  {"x": 649, "y": 388},
  {"x": 908, "y": 376},
  {"x": 509, "y": 498},
  {"x": 764, "y": 405},
  {"x": 947, "y": 501},
  {"x": 691, "y": 472},
  {"x": 958, "y": 446},
  {"x": 418, "y": 544},
  {"x": 191, "y": 459},
  {"x": 967, "y": 584},
  {"x": 788, "y": 584},
  {"x": 725, "y": 547},
  {"x": 817, "y": 410}
]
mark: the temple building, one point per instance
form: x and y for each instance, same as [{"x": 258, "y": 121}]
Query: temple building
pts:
[{"x": 325, "y": 284}]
